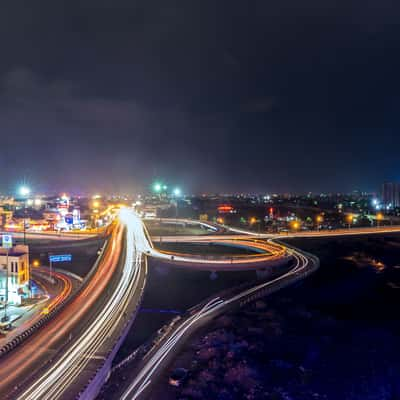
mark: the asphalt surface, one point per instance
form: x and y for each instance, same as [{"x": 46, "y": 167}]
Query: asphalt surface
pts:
[
  {"x": 83, "y": 334},
  {"x": 52, "y": 294},
  {"x": 20, "y": 368},
  {"x": 160, "y": 356}
]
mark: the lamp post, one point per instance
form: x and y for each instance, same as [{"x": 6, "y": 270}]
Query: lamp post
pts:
[
  {"x": 253, "y": 221},
  {"x": 320, "y": 219},
  {"x": 177, "y": 193},
  {"x": 25, "y": 224},
  {"x": 24, "y": 192},
  {"x": 379, "y": 218},
  {"x": 350, "y": 218},
  {"x": 6, "y": 244},
  {"x": 157, "y": 188},
  {"x": 5, "y": 318}
]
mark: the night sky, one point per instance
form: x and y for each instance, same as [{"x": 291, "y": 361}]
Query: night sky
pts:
[{"x": 215, "y": 95}]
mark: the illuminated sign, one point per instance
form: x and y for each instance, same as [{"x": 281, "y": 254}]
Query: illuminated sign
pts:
[
  {"x": 60, "y": 258},
  {"x": 69, "y": 219},
  {"x": 225, "y": 208}
]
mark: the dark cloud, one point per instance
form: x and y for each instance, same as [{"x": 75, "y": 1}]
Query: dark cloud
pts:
[{"x": 214, "y": 95}]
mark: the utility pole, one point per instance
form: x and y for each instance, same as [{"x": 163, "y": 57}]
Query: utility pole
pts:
[
  {"x": 29, "y": 280},
  {"x": 24, "y": 192},
  {"x": 6, "y": 244}
]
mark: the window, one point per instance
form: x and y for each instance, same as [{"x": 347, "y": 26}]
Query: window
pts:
[{"x": 14, "y": 266}]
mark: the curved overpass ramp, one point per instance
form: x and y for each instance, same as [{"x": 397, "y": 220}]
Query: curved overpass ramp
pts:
[{"x": 267, "y": 254}]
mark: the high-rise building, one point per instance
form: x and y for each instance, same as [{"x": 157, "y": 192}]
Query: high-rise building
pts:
[{"x": 391, "y": 194}]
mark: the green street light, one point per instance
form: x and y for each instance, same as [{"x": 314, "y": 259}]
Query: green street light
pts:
[
  {"x": 177, "y": 192},
  {"x": 157, "y": 187}
]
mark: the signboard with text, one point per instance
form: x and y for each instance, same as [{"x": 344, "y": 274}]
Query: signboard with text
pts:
[{"x": 60, "y": 257}]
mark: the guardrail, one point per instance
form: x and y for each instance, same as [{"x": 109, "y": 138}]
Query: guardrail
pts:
[
  {"x": 270, "y": 251},
  {"x": 52, "y": 313},
  {"x": 176, "y": 221},
  {"x": 146, "y": 348},
  {"x": 100, "y": 376}
]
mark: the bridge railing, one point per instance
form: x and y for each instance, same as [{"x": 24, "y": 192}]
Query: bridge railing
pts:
[{"x": 45, "y": 319}]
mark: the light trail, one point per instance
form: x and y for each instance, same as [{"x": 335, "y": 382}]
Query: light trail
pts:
[
  {"x": 154, "y": 362},
  {"x": 303, "y": 264},
  {"x": 267, "y": 252},
  {"x": 21, "y": 365},
  {"x": 62, "y": 374},
  {"x": 244, "y": 232},
  {"x": 51, "y": 304}
]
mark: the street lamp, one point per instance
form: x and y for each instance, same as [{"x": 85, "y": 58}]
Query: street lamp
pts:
[
  {"x": 157, "y": 187},
  {"x": 24, "y": 191},
  {"x": 177, "y": 192},
  {"x": 253, "y": 221},
  {"x": 320, "y": 219},
  {"x": 379, "y": 218},
  {"x": 350, "y": 219}
]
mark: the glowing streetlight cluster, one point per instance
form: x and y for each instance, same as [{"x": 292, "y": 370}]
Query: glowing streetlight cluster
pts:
[{"x": 159, "y": 187}]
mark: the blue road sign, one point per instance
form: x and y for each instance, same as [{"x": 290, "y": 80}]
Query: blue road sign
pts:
[
  {"x": 7, "y": 241},
  {"x": 60, "y": 258}
]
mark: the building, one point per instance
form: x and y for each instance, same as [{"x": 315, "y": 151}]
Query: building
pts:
[
  {"x": 18, "y": 273},
  {"x": 5, "y": 217},
  {"x": 391, "y": 195}
]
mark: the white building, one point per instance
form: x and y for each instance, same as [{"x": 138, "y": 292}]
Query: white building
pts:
[{"x": 18, "y": 273}]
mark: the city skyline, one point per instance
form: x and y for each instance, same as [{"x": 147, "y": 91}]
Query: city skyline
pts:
[{"x": 199, "y": 200}]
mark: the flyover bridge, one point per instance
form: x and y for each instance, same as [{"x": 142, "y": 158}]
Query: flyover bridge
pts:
[{"x": 70, "y": 356}]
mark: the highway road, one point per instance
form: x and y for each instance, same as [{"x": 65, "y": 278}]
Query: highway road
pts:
[
  {"x": 265, "y": 254},
  {"x": 164, "y": 351},
  {"x": 49, "y": 364},
  {"x": 62, "y": 379},
  {"x": 55, "y": 293},
  {"x": 268, "y": 253},
  {"x": 161, "y": 355},
  {"x": 208, "y": 226},
  {"x": 50, "y": 235},
  {"x": 237, "y": 234},
  {"x": 274, "y": 254},
  {"x": 321, "y": 233},
  {"x": 57, "y": 362}
]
